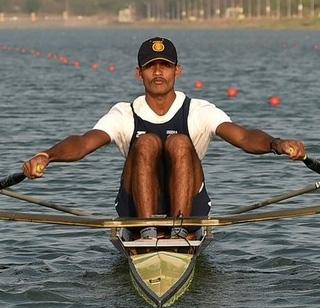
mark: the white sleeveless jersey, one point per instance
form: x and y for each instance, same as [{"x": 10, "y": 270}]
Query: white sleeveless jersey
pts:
[{"x": 203, "y": 120}]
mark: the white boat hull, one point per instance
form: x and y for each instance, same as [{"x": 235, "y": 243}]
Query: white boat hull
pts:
[{"x": 161, "y": 269}]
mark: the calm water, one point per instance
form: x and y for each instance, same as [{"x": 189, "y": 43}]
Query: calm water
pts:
[{"x": 272, "y": 264}]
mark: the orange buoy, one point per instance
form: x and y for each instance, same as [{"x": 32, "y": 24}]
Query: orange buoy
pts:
[
  {"x": 274, "y": 100},
  {"x": 198, "y": 84},
  {"x": 232, "y": 92}
]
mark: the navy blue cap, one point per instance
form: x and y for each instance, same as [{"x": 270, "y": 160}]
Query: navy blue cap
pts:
[{"x": 157, "y": 48}]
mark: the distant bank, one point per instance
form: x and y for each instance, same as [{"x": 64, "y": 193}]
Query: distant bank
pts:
[{"x": 24, "y": 22}]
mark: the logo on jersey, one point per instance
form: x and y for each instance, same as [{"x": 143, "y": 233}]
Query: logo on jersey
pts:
[
  {"x": 139, "y": 133},
  {"x": 172, "y": 132}
]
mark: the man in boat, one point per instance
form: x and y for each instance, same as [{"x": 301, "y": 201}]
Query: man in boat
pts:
[{"x": 164, "y": 135}]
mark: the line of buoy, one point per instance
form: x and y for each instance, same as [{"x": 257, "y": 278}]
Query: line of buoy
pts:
[
  {"x": 56, "y": 57},
  {"x": 231, "y": 92},
  {"x": 273, "y": 100}
]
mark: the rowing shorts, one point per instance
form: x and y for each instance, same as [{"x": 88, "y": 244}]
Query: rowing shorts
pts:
[{"x": 125, "y": 207}]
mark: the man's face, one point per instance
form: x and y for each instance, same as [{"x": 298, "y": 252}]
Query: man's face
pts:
[{"x": 159, "y": 76}]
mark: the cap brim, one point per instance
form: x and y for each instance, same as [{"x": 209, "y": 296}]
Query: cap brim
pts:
[{"x": 160, "y": 58}]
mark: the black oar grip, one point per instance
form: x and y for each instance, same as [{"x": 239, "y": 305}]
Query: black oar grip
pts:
[
  {"x": 12, "y": 179},
  {"x": 312, "y": 164}
]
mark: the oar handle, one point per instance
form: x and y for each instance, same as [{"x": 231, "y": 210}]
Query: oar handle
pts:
[
  {"x": 312, "y": 163},
  {"x": 12, "y": 179}
]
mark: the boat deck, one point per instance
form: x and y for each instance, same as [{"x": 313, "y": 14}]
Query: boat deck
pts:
[
  {"x": 121, "y": 239},
  {"x": 162, "y": 243}
]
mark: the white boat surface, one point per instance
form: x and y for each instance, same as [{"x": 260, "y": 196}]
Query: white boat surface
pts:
[{"x": 161, "y": 269}]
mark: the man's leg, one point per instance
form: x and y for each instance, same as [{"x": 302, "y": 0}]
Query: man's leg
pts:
[
  {"x": 185, "y": 174},
  {"x": 141, "y": 174}
]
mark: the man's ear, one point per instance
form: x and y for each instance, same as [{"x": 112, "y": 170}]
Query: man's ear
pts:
[
  {"x": 138, "y": 73},
  {"x": 179, "y": 71}
]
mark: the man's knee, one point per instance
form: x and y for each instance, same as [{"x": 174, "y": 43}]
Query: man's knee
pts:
[
  {"x": 148, "y": 143},
  {"x": 179, "y": 145}
]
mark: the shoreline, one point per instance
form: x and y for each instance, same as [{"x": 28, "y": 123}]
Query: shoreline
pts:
[{"x": 105, "y": 22}]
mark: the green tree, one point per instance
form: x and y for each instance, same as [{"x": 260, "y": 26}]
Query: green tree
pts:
[
  {"x": 81, "y": 7},
  {"x": 32, "y": 6},
  {"x": 4, "y": 4},
  {"x": 114, "y": 6}
]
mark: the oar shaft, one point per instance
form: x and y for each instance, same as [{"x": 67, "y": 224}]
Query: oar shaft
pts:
[
  {"x": 11, "y": 193},
  {"x": 294, "y": 193},
  {"x": 267, "y": 216},
  {"x": 12, "y": 179},
  {"x": 53, "y": 219},
  {"x": 91, "y": 222}
]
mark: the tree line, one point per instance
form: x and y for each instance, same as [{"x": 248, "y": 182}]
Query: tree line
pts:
[
  {"x": 168, "y": 9},
  {"x": 81, "y": 7}
]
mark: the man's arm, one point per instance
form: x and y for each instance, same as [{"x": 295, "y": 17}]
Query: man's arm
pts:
[
  {"x": 258, "y": 142},
  {"x": 72, "y": 148}
]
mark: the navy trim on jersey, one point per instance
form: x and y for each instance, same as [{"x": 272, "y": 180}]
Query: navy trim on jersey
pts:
[{"x": 177, "y": 125}]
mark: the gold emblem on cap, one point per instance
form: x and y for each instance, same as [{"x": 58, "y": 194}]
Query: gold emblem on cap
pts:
[{"x": 158, "y": 46}]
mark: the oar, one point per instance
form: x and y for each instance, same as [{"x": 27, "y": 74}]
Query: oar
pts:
[
  {"x": 16, "y": 178},
  {"x": 275, "y": 199},
  {"x": 312, "y": 163},
  {"x": 11, "y": 193},
  {"x": 164, "y": 222},
  {"x": 271, "y": 215},
  {"x": 12, "y": 179}
]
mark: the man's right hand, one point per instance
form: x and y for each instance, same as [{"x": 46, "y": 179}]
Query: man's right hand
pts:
[{"x": 35, "y": 167}]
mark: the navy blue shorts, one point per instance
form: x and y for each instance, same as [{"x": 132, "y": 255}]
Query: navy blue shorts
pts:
[{"x": 125, "y": 205}]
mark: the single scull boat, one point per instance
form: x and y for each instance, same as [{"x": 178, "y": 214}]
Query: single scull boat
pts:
[{"x": 161, "y": 269}]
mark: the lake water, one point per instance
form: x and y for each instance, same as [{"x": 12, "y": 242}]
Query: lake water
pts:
[{"x": 269, "y": 264}]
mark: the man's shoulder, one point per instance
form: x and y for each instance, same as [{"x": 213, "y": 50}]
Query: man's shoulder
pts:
[
  {"x": 123, "y": 107},
  {"x": 138, "y": 101},
  {"x": 201, "y": 108},
  {"x": 198, "y": 103}
]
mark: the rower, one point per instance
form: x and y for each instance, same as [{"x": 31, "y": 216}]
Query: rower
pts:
[{"x": 164, "y": 135}]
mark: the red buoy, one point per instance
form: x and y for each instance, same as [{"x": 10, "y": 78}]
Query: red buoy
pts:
[
  {"x": 274, "y": 100},
  {"x": 95, "y": 66},
  {"x": 111, "y": 68},
  {"x": 232, "y": 92},
  {"x": 198, "y": 84},
  {"x": 63, "y": 60},
  {"x": 76, "y": 64}
]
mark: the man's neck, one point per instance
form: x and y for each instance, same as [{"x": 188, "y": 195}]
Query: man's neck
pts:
[{"x": 160, "y": 103}]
